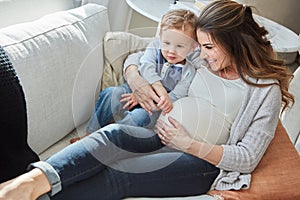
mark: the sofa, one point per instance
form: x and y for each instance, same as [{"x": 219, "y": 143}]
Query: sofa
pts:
[{"x": 64, "y": 59}]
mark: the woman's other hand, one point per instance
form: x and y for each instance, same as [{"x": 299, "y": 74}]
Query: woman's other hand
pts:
[{"x": 173, "y": 135}]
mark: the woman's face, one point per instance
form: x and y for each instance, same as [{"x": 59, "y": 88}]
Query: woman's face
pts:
[{"x": 212, "y": 53}]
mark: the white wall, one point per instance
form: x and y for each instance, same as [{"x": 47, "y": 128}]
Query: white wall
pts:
[
  {"x": 17, "y": 11},
  {"x": 142, "y": 26},
  {"x": 118, "y": 13},
  {"x": 285, "y": 12}
]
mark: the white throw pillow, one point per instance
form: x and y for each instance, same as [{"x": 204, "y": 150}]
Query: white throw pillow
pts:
[{"x": 117, "y": 46}]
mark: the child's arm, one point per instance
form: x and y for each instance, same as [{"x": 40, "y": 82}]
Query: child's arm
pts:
[
  {"x": 164, "y": 103},
  {"x": 142, "y": 90}
]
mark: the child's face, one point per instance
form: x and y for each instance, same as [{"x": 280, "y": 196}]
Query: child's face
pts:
[{"x": 176, "y": 44}]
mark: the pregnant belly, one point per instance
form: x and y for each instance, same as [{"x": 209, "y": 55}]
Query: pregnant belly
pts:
[{"x": 202, "y": 120}]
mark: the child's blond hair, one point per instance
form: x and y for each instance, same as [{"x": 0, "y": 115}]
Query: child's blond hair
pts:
[{"x": 179, "y": 19}]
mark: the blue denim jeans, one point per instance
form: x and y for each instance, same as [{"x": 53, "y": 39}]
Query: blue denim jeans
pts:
[
  {"x": 121, "y": 161},
  {"x": 109, "y": 109}
]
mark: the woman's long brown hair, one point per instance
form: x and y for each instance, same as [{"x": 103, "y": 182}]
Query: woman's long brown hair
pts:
[{"x": 232, "y": 27}]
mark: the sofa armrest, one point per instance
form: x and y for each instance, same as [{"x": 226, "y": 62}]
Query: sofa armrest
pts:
[
  {"x": 290, "y": 118},
  {"x": 59, "y": 60}
]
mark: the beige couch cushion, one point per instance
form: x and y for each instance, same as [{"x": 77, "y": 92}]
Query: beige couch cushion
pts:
[{"x": 117, "y": 46}]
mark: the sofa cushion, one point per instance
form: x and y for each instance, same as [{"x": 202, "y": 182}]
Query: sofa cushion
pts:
[
  {"x": 278, "y": 174},
  {"x": 59, "y": 61},
  {"x": 117, "y": 46}
]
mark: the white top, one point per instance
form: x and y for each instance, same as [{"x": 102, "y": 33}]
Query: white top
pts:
[{"x": 223, "y": 98}]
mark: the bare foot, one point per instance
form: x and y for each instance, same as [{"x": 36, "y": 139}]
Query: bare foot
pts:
[{"x": 73, "y": 140}]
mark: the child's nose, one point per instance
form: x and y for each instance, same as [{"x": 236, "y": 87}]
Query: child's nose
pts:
[{"x": 172, "y": 49}]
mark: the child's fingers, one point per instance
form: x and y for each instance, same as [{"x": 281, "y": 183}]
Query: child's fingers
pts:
[
  {"x": 166, "y": 107},
  {"x": 125, "y": 97},
  {"x": 127, "y": 105}
]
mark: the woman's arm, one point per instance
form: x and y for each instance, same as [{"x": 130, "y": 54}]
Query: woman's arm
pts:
[{"x": 142, "y": 90}]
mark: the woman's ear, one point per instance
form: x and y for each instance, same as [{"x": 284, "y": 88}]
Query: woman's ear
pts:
[{"x": 194, "y": 45}]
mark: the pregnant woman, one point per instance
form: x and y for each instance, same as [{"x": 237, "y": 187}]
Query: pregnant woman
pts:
[{"x": 243, "y": 87}]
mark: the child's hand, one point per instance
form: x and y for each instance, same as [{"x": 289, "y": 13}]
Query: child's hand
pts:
[
  {"x": 164, "y": 103},
  {"x": 130, "y": 101}
]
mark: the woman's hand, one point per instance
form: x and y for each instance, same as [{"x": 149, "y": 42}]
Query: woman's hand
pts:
[
  {"x": 177, "y": 137},
  {"x": 174, "y": 135},
  {"x": 142, "y": 90}
]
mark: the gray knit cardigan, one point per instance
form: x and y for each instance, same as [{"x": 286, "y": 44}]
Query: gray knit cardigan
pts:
[{"x": 250, "y": 135}]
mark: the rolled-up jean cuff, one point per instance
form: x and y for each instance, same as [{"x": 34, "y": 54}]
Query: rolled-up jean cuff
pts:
[
  {"x": 51, "y": 174},
  {"x": 44, "y": 197}
]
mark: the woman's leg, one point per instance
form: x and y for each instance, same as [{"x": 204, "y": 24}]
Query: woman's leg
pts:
[
  {"x": 170, "y": 174},
  {"x": 100, "y": 149}
]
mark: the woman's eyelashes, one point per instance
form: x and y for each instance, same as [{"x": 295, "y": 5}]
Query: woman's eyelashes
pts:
[{"x": 206, "y": 46}]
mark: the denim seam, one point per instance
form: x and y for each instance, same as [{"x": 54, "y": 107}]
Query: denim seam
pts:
[{"x": 82, "y": 172}]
